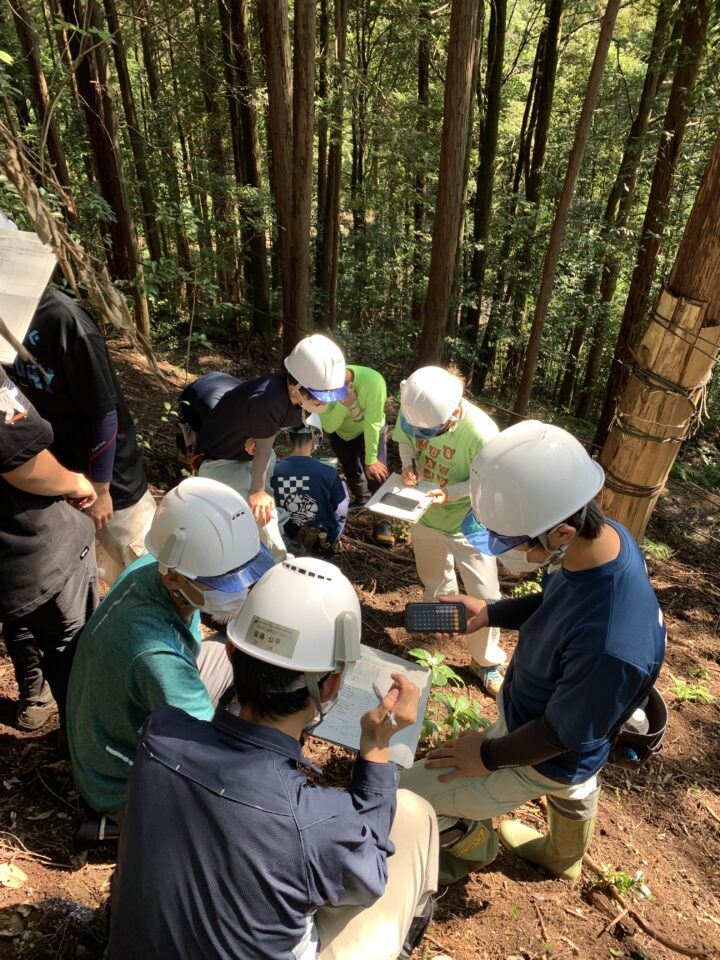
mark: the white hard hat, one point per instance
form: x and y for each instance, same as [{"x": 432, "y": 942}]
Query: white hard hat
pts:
[
  {"x": 528, "y": 479},
  {"x": 429, "y": 397},
  {"x": 204, "y": 530},
  {"x": 310, "y": 427},
  {"x": 304, "y": 616},
  {"x": 318, "y": 365}
]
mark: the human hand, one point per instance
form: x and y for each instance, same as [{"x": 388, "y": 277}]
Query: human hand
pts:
[
  {"x": 402, "y": 700},
  {"x": 250, "y": 445},
  {"x": 438, "y": 496},
  {"x": 462, "y": 755},
  {"x": 409, "y": 477},
  {"x": 351, "y": 397},
  {"x": 101, "y": 510},
  {"x": 83, "y": 495},
  {"x": 477, "y": 612},
  {"x": 262, "y": 506},
  {"x": 376, "y": 471}
]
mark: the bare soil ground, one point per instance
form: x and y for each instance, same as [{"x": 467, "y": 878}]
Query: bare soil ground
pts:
[{"x": 663, "y": 819}]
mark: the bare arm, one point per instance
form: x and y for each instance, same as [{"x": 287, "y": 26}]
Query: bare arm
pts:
[{"x": 44, "y": 476}]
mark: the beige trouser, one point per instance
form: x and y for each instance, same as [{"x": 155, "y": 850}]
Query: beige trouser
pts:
[
  {"x": 437, "y": 555},
  {"x": 378, "y": 932},
  {"x": 122, "y": 541},
  {"x": 482, "y": 798},
  {"x": 238, "y": 475}
]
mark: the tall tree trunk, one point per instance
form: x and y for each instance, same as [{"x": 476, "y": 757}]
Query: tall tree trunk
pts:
[
  {"x": 676, "y": 116},
  {"x": 615, "y": 217},
  {"x": 276, "y": 52},
  {"x": 50, "y": 132},
  {"x": 577, "y": 152},
  {"x": 448, "y": 209},
  {"x": 420, "y": 179},
  {"x": 296, "y": 323},
  {"x": 664, "y": 397},
  {"x": 485, "y": 172},
  {"x": 251, "y": 170},
  {"x": 137, "y": 144},
  {"x": 93, "y": 78},
  {"x": 327, "y": 294},
  {"x": 322, "y": 148}
]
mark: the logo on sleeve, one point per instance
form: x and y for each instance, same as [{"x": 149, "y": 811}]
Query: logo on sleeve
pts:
[{"x": 10, "y": 406}]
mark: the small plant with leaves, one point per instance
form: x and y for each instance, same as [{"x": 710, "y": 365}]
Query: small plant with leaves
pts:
[
  {"x": 442, "y": 674},
  {"x": 656, "y": 551},
  {"x": 526, "y": 587},
  {"x": 682, "y": 690},
  {"x": 627, "y": 882}
]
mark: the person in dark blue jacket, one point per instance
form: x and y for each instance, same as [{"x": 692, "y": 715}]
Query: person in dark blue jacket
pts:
[
  {"x": 227, "y": 852},
  {"x": 590, "y": 648}
]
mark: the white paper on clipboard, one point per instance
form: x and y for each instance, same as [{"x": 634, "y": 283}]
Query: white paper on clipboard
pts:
[
  {"x": 26, "y": 265},
  {"x": 394, "y": 487},
  {"x": 342, "y": 724}
]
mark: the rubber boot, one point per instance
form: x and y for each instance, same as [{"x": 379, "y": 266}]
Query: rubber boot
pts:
[
  {"x": 560, "y": 851},
  {"x": 475, "y": 849}
]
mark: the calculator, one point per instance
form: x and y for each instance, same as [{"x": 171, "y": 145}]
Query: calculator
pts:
[
  {"x": 435, "y": 618},
  {"x": 400, "y": 502}
]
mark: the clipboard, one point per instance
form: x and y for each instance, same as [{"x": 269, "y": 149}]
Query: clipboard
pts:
[{"x": 394, "y": 499}]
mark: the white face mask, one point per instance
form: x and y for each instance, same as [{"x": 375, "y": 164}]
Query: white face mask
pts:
[
  {"x": 222, "y": 606},
  {"x": 516, "y": 561}
]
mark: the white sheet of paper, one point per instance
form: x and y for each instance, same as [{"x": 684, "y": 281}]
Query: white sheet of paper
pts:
[
  {"x": 342, "y": 724},
  {"x": 26, "y": 265},
  {"x": 394, "y": 486}
]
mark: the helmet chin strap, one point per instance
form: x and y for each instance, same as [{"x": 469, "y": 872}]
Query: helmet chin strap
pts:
[{"x": 560, "y": 551}]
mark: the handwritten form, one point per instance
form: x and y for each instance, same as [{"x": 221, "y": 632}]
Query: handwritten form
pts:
[
  {"x": 26, "y": 265},
  {"x": 342, "y": 724}
]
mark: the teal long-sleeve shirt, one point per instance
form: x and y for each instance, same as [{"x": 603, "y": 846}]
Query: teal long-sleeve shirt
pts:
[
  {"x": 135, "y": 655},
  {"x": 371, "y": 395}
]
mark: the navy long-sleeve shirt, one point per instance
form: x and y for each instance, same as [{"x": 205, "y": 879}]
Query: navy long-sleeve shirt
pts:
[{"x": 227, "y": 851}]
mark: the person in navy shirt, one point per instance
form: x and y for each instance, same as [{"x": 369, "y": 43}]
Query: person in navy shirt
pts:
[
  {"x": 589, "y": 650},
  {"x": 311, "y": 493}
]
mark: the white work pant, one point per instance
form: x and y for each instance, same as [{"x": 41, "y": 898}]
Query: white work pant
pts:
[
  {"x": 238, "y": 475},
  {"x": 122, "y": 541},
  {"x": 379, "y": 931},
  {"x": 437, "y": 555},
  {"x": 482, "y": 798}
]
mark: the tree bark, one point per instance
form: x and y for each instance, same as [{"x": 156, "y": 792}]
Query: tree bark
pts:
[
  {"x": 93, "y": 79},
  {"x": 322, "y": 139},
  {"x": 296, "y": 319},
  {"x": 50, "y": 132},
  {"x": 676, "y": 117},
  {"x": 448, "y": 210},
  {"x": 420, "y": 179},
  {"x": 137, "y": 143},
  {"x": 615, "y": 217},
  {"x": 276, "y": 51},
  {"x": 664, "y": 397},
  {"x": 563, "y": 208}
]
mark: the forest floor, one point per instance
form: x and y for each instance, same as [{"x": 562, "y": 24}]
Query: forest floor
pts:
[{"x": 663, "y": 820}]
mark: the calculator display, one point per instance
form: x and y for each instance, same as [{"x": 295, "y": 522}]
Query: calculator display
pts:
[{"x": 435, "y": 618}]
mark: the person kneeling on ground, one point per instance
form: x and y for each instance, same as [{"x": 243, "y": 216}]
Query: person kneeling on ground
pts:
[
  {"x": 589, "y": 650},
  {"x": 311, "y": 493},
  {"x": 142, "y": 648},
  {"x": 228, "y": 851}
]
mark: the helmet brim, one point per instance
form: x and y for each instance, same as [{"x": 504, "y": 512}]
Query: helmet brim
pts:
[
  {"x": 487, "y": 542},
  {"x": 327, "y": 396},
  {"x": 243, "y": 577}
]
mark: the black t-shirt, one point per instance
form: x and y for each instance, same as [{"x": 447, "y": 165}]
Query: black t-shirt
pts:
[
  {"x": 68, "y": 345},
  {"x": 41, "y": 538},
  {"x": 257, "y": 408}
]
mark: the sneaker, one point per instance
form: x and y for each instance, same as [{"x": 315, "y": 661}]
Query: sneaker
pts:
[
  {"x": 383, "y": 534},
  {"x": 31, "y": 716},
  {"x": 491, "y": 678}
]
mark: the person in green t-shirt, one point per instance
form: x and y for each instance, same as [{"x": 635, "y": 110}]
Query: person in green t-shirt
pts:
[{"x": 439, "y": 434}]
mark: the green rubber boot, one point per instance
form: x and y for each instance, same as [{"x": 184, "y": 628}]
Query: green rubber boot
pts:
[
  {"x": 477, "y": 847},
  {"x": 560, "y": 851}
]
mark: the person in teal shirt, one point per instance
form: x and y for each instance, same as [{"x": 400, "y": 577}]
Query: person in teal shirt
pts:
[
  {"x": 439, "y": 434},
  {"x": 142, "y": 647}
]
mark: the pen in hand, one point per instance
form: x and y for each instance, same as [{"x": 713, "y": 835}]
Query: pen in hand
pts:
[{"x": 390, "y": 718}]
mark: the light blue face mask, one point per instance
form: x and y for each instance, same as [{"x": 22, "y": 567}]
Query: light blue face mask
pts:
[{"x": 421, "y": 433}]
